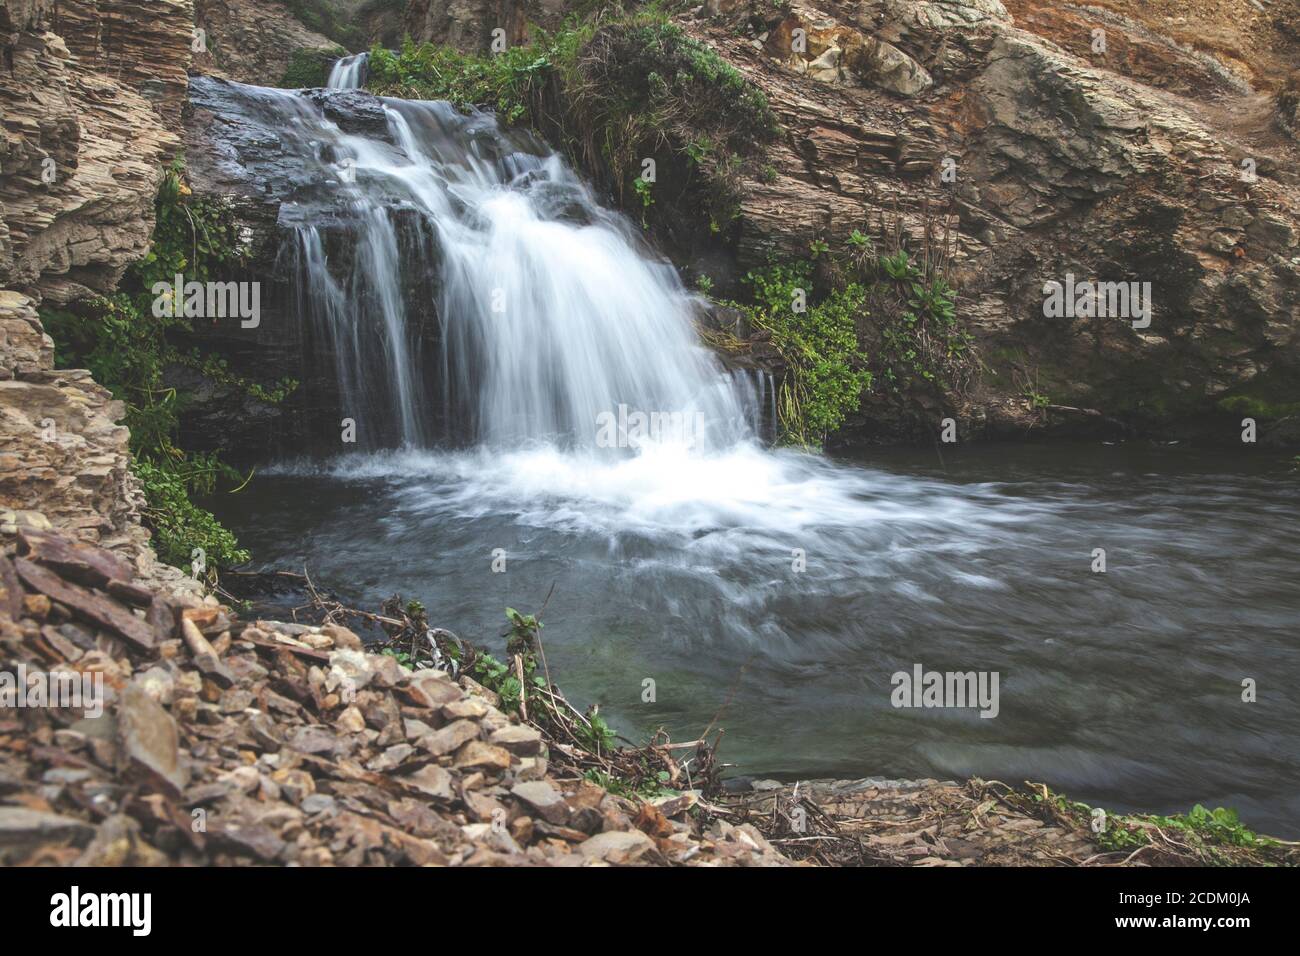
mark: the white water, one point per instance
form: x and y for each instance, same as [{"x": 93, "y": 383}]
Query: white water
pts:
[
  {"x": 556, "y": 322},
  {"x": 348, "y": 72}
]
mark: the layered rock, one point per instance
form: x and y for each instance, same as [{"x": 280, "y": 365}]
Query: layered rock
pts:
[
  {"x": 64, "y": 462},
  {"x": 88, "y": 117},
  {"x": 469, "y": 24}
]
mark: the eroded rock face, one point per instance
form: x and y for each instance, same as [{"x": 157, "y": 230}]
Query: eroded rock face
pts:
[
  {"x": 64, "y": 459},
  {"x": 88, "y": 117},
  {"x": 468, "y": 24},
  {"x": 251, "y": 41},
  {"x": 1059, "y": 165},
  {"x": 89, "y": 111}
]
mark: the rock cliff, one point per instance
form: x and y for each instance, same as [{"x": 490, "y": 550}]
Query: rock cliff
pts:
[
  {"x": 1059, "y": 161},
  {"x": 89, "y": 116}
]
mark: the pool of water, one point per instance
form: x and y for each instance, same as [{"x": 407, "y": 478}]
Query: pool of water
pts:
[{"x": 779, "y": 592}]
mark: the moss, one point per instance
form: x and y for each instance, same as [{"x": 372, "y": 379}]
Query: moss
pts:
[
  {"x": 310, "y": 67},
  {"x": 331, "y": 19},
  {"x": 1258, "y": 408}
]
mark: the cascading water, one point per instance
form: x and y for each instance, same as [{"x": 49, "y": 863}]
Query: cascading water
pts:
[
  {"x": 348, "y": 72},
  {"x": 555, "y": 326},
  {"x": 472, "y": 293}
]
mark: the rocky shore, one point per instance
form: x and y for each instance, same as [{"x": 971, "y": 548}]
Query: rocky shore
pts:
[{"x": 232, "y": 742}]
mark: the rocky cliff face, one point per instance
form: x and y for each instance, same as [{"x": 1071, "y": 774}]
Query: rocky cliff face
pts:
[
  {"x": 1130, "y": 143},
  {"x": 89, "y": 112},
  {"x": 251, "y": 42},
  {"x": 88, "y": 117},
  {"x": 468, "y": 24},
  {"x": 1058, "y": 164}
]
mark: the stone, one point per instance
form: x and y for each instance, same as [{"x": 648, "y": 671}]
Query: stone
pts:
[
  {"x": 477, "y": 755},
  {"x": 343, "y": 638},
  {"x": 431, "y": 690},
  {"x": 449, "y": 738},
  {"x": 518, "y": 739},
  {"x": 543, "y": 799},
  {"x": 619, "y": 847},
  {"x": 390, "y": 758},
  {"x": 22, "y": 829},
  {"x": 467, "y": 708},
  {"x": 882, "y": 64},
  {"x": 351, "y": 720},
  {"x": 148, "y": 740},
  {"x": 431, "y": 780}
]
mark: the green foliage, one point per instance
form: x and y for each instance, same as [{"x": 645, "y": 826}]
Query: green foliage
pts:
[
  {"x": 820, "y": 344},
  {"x": 922, "y": 340},
  {"x": 310, "y": 67},
  {"x": 647, "y": 788},
  {"x": 127, "y": 347},
  {"x": 1256, "y": 407},
  {"x": 596, "y": 735},
  {"x": 1205, "y": 833},
  {"x": 510, "y": 83},
  {"x": 179, "y": 526}
]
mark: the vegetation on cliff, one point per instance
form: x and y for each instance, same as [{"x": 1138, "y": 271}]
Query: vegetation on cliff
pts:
[
  {"x": 655, "y": 117},
  {"x": 128, "y": 346}
]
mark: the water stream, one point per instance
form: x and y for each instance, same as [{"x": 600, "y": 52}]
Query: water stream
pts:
[{"x": 786, "y": 586}]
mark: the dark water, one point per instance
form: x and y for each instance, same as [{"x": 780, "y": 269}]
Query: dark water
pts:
[{"x": 1122, "y": 689}]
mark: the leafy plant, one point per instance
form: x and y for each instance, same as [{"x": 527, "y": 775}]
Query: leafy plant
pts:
[{"x": 828, "y": 372}]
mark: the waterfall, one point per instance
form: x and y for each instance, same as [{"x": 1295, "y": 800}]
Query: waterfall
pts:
[
  {"x": 348, "y": 72},
  {"x": 555, "y": 323}
]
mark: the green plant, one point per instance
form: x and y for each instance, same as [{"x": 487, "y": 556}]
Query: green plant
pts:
[
  {"x": 645, "y": 190},
  {"x": 818, "y": 339},
  {"x": 128, "y": 345},
  {"x": 610, "y": 89},
  {"x": 921, "y": 338}
]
